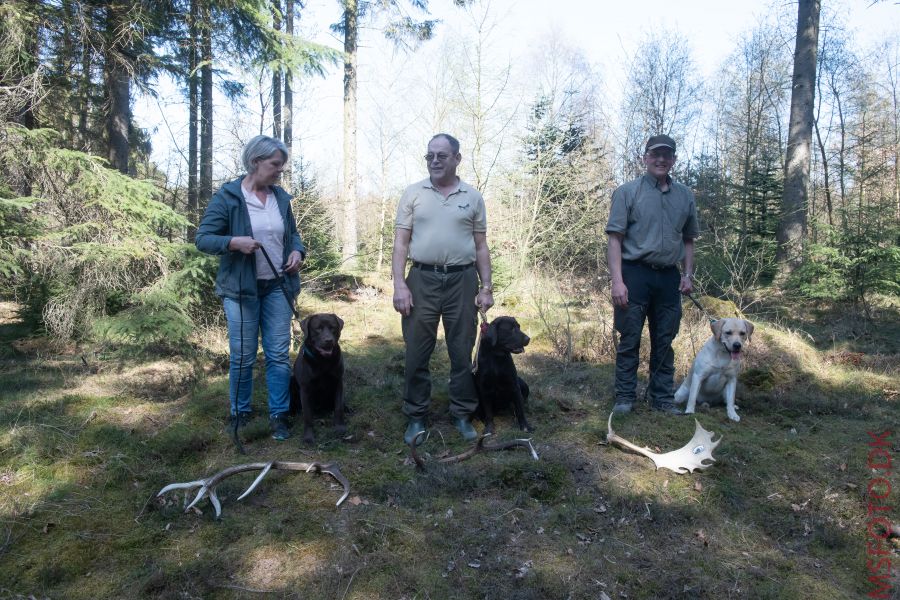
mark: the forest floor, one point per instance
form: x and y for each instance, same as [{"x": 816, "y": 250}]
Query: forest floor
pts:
[{"x": 89, "y": 435}]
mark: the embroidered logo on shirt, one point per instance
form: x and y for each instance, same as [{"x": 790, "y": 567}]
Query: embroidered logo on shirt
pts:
[{"x": 461, "y": 207}]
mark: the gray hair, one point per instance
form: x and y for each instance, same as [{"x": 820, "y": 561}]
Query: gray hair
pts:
[
  {"x": 454, "y": 143},
  {"x": 260, "y": 148}
]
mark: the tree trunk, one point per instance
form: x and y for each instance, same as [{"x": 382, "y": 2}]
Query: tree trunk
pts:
[
  {"x": 84, "y": 95},
  {"x": 288, "y": 97},
  {"x": 792, "y": 223},
  {"x": 118, "y": 88},
  {"x": 206, "y": 106},
  {"x": 193, "y": 205},
  {"x": 276, "y": 76},
  {"x": 348, "y": 232}
]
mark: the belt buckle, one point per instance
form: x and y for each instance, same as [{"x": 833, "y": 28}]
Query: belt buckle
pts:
[{"x": 439, "y": 268}]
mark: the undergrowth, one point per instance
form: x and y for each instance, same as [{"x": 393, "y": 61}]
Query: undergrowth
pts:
[{"x": 88, "y": 438}]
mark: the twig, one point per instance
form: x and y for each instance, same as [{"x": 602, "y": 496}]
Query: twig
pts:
[{"x": 349, "y": 583}]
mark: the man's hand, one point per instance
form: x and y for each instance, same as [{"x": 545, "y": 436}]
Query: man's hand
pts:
[
  {"x": 484, "y": 300},
  {"x": 403, "y": 302},
  {"x": 294, "y": 262},
  {"x": 619, "y": 294},
  {"x": 243, "y": 244},
  {"x": 687, "y": 284}
]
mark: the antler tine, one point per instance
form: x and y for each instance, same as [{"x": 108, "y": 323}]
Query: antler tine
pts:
[
  {"x": 256, "y": 481},
  {"x": 332, "y": 470},
  {"x": 525, "y": 443}
]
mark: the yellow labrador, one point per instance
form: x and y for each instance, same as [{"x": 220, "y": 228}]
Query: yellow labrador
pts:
[{"x": 715, "y": 369}]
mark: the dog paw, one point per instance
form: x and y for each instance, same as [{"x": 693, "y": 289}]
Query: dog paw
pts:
[
  {"x": 734, "y": 417},
  {"x": 527, "y": 428},
  {"x": 688, "y": 411}
]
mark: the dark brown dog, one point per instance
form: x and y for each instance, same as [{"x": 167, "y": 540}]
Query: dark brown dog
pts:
[
  {"x": 317, "y": 383},
  {"x": 496, "y": 379}
]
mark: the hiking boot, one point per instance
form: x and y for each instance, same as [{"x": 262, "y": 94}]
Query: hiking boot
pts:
[
  {"x": 279, "y": 426},
  {"x": 666, "y": 407},
  {"x": 415, "y": 427},
  {"x": 622, "y": 407},
  {"x": 465, "y": 428}
]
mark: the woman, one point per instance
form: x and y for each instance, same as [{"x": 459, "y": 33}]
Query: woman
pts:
[{"x": 244, "y": 217}]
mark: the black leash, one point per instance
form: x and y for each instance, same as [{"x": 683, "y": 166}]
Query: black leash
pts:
[
  {"x": 280, "y": 279},
  {"x": 703, "y": 310}
]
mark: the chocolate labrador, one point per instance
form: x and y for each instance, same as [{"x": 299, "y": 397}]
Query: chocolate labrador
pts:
[
  {"x": 496, "y": 380},
  {"x": 317, "y": 382}
]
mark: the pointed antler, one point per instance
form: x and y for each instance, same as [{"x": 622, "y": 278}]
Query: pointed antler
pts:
[
  {"x": 684, "y": 460},
  {"x": 208, "y": 485},
  {"x": 479, "y": 446}
]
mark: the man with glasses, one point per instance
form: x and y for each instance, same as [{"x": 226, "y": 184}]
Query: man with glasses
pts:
[
  {"x": 442, "y": 228},
  {"x": 652, "y": 226}
]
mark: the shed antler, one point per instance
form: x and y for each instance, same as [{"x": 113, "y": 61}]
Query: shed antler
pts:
[
  {"x": 479, "y": 446},
  {"x": 684, "y": 460},
  {"x": 208, "y": 485}
]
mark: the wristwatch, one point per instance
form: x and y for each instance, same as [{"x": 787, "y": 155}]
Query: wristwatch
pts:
[{"x": 488, "y": 288}]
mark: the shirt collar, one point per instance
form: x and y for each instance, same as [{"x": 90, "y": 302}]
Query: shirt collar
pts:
[
  {"x": 653, "y": 181},
  {"x": 460, "y": 186}
]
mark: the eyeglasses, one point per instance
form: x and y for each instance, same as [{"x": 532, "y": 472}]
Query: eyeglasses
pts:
[{"x": 441, "y": 157}]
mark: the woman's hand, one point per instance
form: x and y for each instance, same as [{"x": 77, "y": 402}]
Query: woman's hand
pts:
[
  {"x": 243, "y": 244},
  {"x": 294, "y": 262}
]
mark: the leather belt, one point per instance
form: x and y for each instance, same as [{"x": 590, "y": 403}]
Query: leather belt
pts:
[
  {"x": 442, "y": 268},
  {"x": 641, "y": 263}
]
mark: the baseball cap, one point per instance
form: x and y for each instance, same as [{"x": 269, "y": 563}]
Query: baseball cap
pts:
[{"x": 659, "y": 141}]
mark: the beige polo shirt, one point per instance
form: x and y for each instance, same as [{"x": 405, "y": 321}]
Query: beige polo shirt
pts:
[
  {"x": 442, "y": 228},
  {"x": 654, "y": 223}
]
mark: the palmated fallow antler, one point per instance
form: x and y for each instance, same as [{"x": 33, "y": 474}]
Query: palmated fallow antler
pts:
[
  {"x": 684, "y": 460},
  {"x": 479, "y": 446},
  {"x": 208, "y": 485}
]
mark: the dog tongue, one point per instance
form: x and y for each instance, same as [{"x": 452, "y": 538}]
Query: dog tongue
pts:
[{"x": 735, "y": 355}]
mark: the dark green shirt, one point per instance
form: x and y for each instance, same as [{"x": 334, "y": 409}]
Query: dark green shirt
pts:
[{"x": 654, "y": 223}]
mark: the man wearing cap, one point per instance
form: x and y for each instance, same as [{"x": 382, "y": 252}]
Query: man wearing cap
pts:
[
  {"x": 441, "y": 226},
  {"x": 652, "y": 226}
]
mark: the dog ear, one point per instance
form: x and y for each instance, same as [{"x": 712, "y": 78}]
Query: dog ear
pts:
[
  {"x": 749, "y": 327},
  {"x": 340, "y": 322},
  {"x": 304, "y": 325},
  {"x": 716, "y": 327},
  {"x": 490, "y": 335}
]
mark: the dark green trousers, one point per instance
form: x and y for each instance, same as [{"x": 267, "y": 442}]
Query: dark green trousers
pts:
[
  {"x": 447, "y": 297},
  {"x": 652, "y": 296}
]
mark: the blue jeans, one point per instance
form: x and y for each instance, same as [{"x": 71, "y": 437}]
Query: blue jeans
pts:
[{"x": 270, "y": 315}]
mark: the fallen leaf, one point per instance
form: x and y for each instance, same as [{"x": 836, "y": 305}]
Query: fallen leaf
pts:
[
  {"x": 698, "y": 486},
  {"x": 355, "y": 500},
  {"x": 449, "y": 514},
  {"x": 48, "y": 527},
  {"x": 475, "y": 564}
]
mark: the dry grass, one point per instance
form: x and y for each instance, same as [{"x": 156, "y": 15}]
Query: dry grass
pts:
[{"x": 85, "y": 444}]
